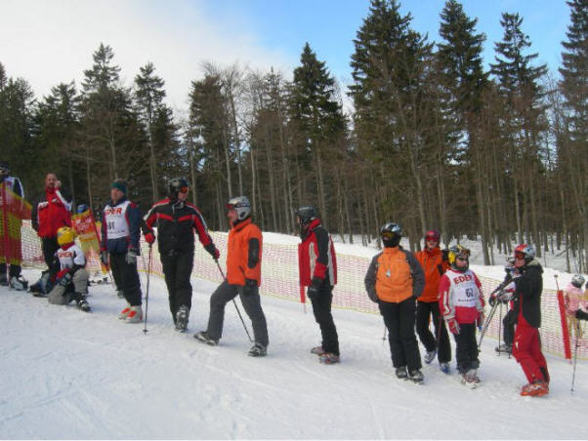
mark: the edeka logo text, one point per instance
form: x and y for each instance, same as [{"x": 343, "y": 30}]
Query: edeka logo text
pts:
[
  {"x": 464, "y": 278},
  {"x": 113, "y": 211}
]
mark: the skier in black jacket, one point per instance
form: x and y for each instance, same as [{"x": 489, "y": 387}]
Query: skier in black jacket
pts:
[{"x": 176, "y": 220}]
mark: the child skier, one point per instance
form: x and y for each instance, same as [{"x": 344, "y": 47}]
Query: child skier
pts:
[
  {"x": 574, "y": 301},
  {"x": 71, "y": 282},
  {"x": 462, "y": 305}
]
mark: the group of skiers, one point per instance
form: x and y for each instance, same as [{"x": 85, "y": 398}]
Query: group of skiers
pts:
[{"x": 411, "y": 290}]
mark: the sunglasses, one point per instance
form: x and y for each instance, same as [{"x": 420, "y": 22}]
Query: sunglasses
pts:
[
  {"x": 183, "y": 189},
  {"x": 519, "y": 255}
]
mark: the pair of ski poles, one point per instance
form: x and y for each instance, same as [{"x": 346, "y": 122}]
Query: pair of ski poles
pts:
[{"x": 147, "y": 294}]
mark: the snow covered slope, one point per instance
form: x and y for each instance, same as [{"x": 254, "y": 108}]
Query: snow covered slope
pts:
[{"x": 67, "y": 374}]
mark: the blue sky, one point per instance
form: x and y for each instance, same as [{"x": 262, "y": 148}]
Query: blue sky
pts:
[
  {"x": 330, "y": 26},
  {"x": 47, "y": 42}
]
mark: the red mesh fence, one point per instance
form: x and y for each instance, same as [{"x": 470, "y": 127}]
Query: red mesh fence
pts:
[{"x": 280, "y": 279}]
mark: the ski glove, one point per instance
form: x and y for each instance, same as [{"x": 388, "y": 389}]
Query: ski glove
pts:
[
  {"x": 453, "y": 326},
  {"x": 492, "y": 300},
  {"x": 313, "y": 289},
  {"x": 249, "y": 288},
  {"x": 212, "y": 250},
  {"x": 64, "y": 281},
  {"x": 150, "y": 238},
  {"x": 104, "y": 257},
  {"x": 131, "y": 257}
]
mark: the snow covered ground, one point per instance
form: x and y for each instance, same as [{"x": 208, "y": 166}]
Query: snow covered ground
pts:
[{"x": 66, "y": 374}]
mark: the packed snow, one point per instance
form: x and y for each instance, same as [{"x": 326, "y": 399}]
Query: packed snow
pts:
[{"x": 67, "y": 374}]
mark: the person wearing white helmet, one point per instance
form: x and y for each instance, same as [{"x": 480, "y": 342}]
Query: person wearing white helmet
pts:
[{"x": 243, "y": 278}]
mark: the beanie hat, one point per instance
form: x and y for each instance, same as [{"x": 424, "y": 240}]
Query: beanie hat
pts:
[{"x": 119, "y": 184}]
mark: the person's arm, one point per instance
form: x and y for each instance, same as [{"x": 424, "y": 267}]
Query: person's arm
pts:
[
  {"x": 370, "y": 279},
  {"x": 418, "y": 275},
  {"x": 203, "y": 236},
  {"x": 322, "y": 259},
  {"x": 134, "y": 220}
]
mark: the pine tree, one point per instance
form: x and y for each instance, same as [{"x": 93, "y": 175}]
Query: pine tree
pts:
[
  {"x": 523, "y": 119},
  {"x": 155, "y": 116},
  {"x": 573, "y": 144},
  {"x": 390, "y": 67}
]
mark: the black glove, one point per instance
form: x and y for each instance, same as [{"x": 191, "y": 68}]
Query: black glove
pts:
[
  {"x": 250, "y": 287},
  {"x": 104, "y": 257},
  {"x": 445, "y": 255},
  {"x": 313, "y": 289},
  {"x": 64, "y": 281},
  {"x": 214, "y": 252},
  {"x": 492, "y": 300}
]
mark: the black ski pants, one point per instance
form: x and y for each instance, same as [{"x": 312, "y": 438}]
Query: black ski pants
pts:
[
  {"x": 177, "y": 268},
  {"x": 13, "y": 271},
  {"x": 126, "y": 278},
  {"x": 49, "y": 246},
  {"x": 508, "y": 323},
  {"x": 321, "y": 308},
  {"x": 440, "y": 340},
  {"x": 399, "y": 318},
  {"x": 466, "y": 348},
  {"x": 251, "y": 303}
]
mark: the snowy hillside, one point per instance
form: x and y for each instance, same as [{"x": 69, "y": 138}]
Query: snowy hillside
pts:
[{"x": 67, "y": 374}]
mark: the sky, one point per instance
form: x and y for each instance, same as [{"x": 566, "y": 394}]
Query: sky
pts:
[{"x": 48, "y": 42}]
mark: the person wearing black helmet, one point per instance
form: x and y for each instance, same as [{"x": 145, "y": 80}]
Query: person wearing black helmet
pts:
[
  {"x": 318, "y": 272},
  {"x": 176, "y": 220},
  {"x": 243, "y": 278},
  {"x": 394, "y": 280},
  {"x": 11, "y": 194},
  {"x": 527, "y": 343}
]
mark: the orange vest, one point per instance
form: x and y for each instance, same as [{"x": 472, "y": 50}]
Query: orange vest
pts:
[
  {"x": 393, "y": 279},
  {"x": 431, "y": 261},
  {"x": 238, "y": 253}
]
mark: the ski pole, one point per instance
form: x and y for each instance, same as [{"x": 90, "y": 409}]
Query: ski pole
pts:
[
  {"x": 487, "y": 323},
  {"x": 235, "y": 303},
  {"x": 575, "y": 356},
  {"x": 499, "y": 327},
  {"x": 147, "y": 290}
]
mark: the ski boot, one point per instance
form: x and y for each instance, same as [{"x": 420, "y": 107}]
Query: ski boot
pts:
[
  {"x": 401, "y": 373},
  {"x": 504, "y": 348},
  {"x": 416, "y": 376},
  {"x": 430, "y": 356},
  {"x": 135, "y": 315},
  {"x": 204, "y": 338},
  {"x": 182, "y": 316},
  {"x": 82, "y": 303},
  {"x": 536, "y": 389},
  {"x": 317, "y": 350},
  {"x": 18, "y": 283},
  {"x": 257, "y": 350},
  {"x": 124, "y": 313},
  {"x": 329, "y": 358},
  {"x": 444, "y": 367}
]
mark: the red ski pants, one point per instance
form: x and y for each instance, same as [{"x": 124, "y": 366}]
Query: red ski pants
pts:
[{"x": 526, "y": 350}]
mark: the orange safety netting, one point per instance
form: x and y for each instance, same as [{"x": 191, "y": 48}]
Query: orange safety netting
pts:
[{"x": 280, "y": 279}]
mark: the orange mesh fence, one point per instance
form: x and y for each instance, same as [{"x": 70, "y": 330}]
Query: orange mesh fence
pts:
[{"x": 280, "y": 279}]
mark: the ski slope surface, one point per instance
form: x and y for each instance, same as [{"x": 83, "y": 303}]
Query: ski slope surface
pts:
[{"x": 70, "y": 375}]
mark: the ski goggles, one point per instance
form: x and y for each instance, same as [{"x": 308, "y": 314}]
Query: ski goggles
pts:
[
  {"x": 387, "y": 235},
  {"x": 183, "y": 189},
  {"x": 519, "y": 255}
]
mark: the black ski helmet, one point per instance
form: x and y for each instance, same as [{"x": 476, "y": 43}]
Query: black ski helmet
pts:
[
  {"x": 175, "y": 186},
  {"x": 306, "y": 214},
  {"x": 459, "y": 252},
  {"x": 391, "y": 233},
  {"x": 4, "y": 168}
]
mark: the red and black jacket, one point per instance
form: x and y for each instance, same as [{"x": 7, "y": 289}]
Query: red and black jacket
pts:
[
  {"x": 529, "y": 287},
  {"x": 316, "y": 256},
  {"x": 176, "y": 222},
  {"x": 50, "y": 212}
]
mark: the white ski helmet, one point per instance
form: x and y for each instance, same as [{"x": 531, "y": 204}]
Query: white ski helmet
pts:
[
  {"x": 241, "y": 205},
  {"x": 578, "y": 280}
]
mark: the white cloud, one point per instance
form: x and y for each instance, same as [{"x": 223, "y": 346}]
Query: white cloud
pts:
[{"x": 48, "y": 42}]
